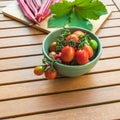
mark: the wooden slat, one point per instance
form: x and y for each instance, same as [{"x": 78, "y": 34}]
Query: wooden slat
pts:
[
  {"x": 10, "y": 24},
  {"x": 21, "y": 41},
  {"x": 112, "y": 23},
  {"x": 37, "y": 50},
  {"x": 117, "y": 3},
  {"x": 111, "y": 52},
  {"x": 107, "y": 2},
  {"x": 14, "y": 24},
  {"x": 37, "y": 39},
  {"x": 30, "y": 31},
  {"x": 6, "y": 2},
  {"x": 22, "y": 62},
  {"x": 107, "y": 65},
  {"x": 110, "y": 41},
  {"x": 101, "y": 112},
  {"x": 19, "y": 32},
  {"x": 107, "y": 32},
  {"x": 3, "y": 18},
  {"x": 27, "y": 74},
  {"x": 115, "y": 15},
  {"x": 59, "y": 101},
  {"x": 59, "y": 85},
  {"x": 18, "y": 63},
  {"x": 15, "y": 76},
  {"x": 114, "y": 8},
  {"x": 21, "y": 51}
]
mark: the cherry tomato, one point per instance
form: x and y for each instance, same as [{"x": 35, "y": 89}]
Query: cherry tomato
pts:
[
  {"x": 53, "y": 46},
  {"x": 93, "y": 44},
  {"x": 89, "y": 50},
  {"x": 50, "y": 74},
  {"x": 81, "y": 56},
  {"x": 72, "y": 37},
  {"x": 39, "y": 70},
  {"x": 58, "y": 56},
  {"x": 79, "y": 33},
  {"x": 52, "y": 54},
  {"x": 67, "y": 54}
]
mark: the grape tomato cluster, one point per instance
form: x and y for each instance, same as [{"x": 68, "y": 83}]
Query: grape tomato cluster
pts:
[{"x": 73, "y": 48}]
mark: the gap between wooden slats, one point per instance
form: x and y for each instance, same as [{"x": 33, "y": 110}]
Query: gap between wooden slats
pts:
[
  {"x": 24, "y": 75},
  {"x": 59, "y": 101},
  {"x": 101, "y": 112},
  {"x": 37, "y": 88}
]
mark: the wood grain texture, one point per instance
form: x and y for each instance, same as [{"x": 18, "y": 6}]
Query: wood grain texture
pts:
[
  {"x": 59, "y": 85},
  {"x": 59, "y": 101},
  {"x": 19, "y": 32},
  {"x": 117, "y": 3},
  {"x": 109, "y": 33},
  {"x": 101, "y": 112},
  {"x": 21, "y": 41},
  {"x": 25, "y": 96}
]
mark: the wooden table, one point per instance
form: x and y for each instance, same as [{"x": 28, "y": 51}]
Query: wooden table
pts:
[{"x": 24, "y": 96}]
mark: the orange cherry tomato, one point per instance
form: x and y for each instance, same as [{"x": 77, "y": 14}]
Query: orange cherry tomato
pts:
[
  {"x": 53, "y": 46},
  {"x": 67, "y": 54},
  {"x": 72, "y": 37},
  {"x": 50, "y": 74},
  {"x": 39, "y": 70},
  {"x": 79, "y": 33},
  {"x": 89, "y": 50}
]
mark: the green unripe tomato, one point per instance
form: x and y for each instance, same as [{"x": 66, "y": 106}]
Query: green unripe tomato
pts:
[{"x": 93, "y": 44}]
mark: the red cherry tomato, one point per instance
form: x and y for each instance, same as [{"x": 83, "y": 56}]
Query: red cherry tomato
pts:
[
  {"x": 39, "y": 70},
  {"x": 81, "y": 56},
  {"x": 72, "y": 37},
  {"x": 50, "y": 74},
  {"x": 57, "y": 56},
  {"x": 89, "y": 50},
  {"x": 79, "y": 33},
  {"x": 67, "y": 54}
]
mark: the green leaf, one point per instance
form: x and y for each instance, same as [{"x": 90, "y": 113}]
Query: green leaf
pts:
[
  {"x": 93, "y": 11},
  {"x": 82, "y": 3},
  {"x": 61, "y": 8},
  {"x": 58, "y": 21},
  {"x": 80, "y": 22}
]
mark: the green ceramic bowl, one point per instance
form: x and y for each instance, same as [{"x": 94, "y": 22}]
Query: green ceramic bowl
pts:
[{"x": 71, "y": 70}]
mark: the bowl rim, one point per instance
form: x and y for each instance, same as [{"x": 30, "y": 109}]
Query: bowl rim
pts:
[{"x": 64, "y": 65}]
